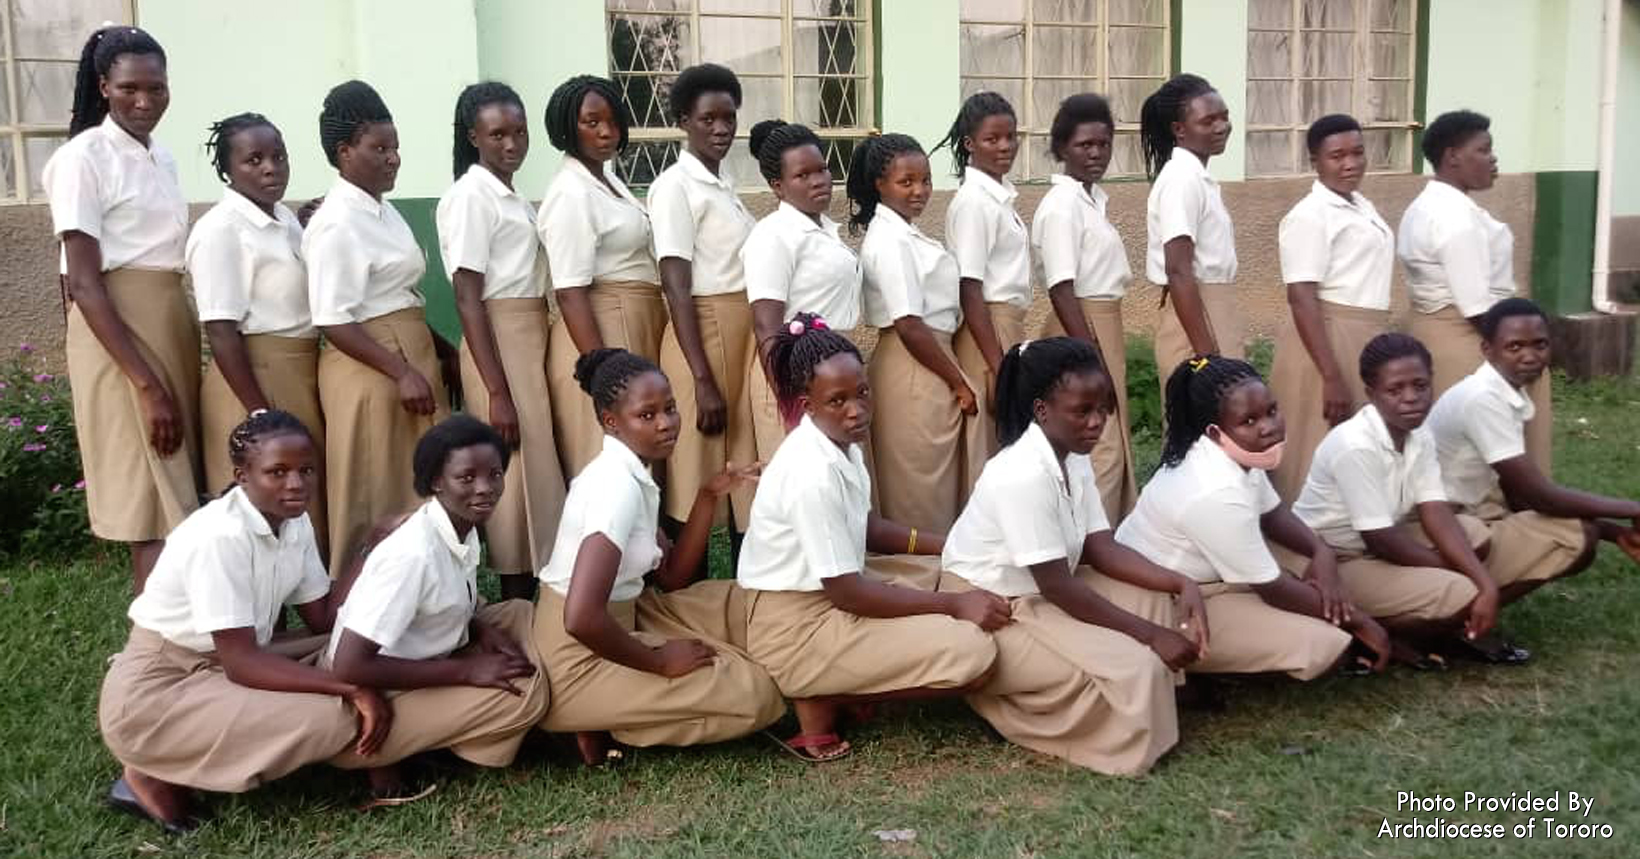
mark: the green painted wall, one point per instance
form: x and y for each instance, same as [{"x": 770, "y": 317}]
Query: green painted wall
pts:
[
  {"x": 918, "y": 70},
  {"x": 1213, "y": 44},
  {"x": 1563, "y": 240},
  {"x": 1626, "y": 191}
]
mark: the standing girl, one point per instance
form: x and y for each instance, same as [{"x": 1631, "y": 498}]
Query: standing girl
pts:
[
  {"x": 700, "y": 226},
  {"x": 826, "y": 623},
  {"x": 379, "y": 382},
  {"x": 1191, "y": 245},
  {"x": 1086, "y": 270},
  {"x": 245, "y": 260},
  {"x": 132, "y": 345},
  {"x": 927, "y": 430},
  {"x": 487, "y": 239},
  {"x": 598, "y": 242},
  {"x": 795, "y": 260},
  {"x": 990, "y": 243},
  {"x": 1337, "y": 258}
]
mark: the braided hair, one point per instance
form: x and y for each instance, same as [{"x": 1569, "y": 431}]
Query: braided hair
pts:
[
  {"x": 349, "y": 108},
  {"x": 770, "y": 140},
  {"x": 797, "y": 349},
  {"x": 1512, "y": 306},
  {"x": 696, "y": 81},
  {"x": 1195, "y": 393},
  {"x": 1388, "y": 347},
  {"x": 1075, "y": 111},
  {"x": 259, "y": 427},
  {"x": 563, "y": 112},
  {"x": 472, "y": 100},
  {"x": 101, "y": 50},
  {"x": 605, "y": 374},
  {"x": 975, "y": 109},
  {"x": 1164, "y": 107},
  {"x": 446, "y": 437},
  {"x": 1031, "y": 370},
  {"x": 870, "y": 163},
  {"x": 220, "y": 143}
]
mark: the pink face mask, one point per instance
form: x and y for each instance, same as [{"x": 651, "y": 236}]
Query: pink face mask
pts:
[{"x": 1266, "y": 460}]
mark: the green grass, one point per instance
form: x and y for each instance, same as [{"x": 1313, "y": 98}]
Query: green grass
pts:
[{"x": 1290, "y": 769}]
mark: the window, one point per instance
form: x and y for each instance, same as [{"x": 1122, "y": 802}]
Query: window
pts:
[
  {"x": 805, "y": 61},
  {"x": 1309, "y": 58},
  {"x": 1038, "y": 52},
  {"x": 40, "y": 43}
]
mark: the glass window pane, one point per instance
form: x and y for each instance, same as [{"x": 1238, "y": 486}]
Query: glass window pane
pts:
[
  {"x": 644, "y": 160},
  {"x": 1391, "y": 56},
  {"x": 1126, "y": 156},
  {"x": 36, "y": 152},
  {"x": 649, "y": 43},
  {"x": 1392, "y": 15},
  {"x": 1388, "y": 101},
  {"x": 838, "y": 152},
  {"x": 993, "y": 10},
  {"x": 762, "y": 7},
  {"x": 747, "y": 45},
  {"x": 1137, "y": 51},
  {"x": 1319, "y": 98},
  {"x": 645, "y": 97},
  {"x": 1270, "y": 153},
  {"x": 1272, "y": 14},
  {"x": 826, "y": 47},
  {"x": 822, "y": 8},
  {"x": 1389, "y": 149},
  {"x": 1013, "y": 91},
  {"x": 1064, "y": 51},
  {"x": 650, "y": 5},
  {"x": 1332, "y": 14},
  {"x": 1039, "y": 163},
  {"x": 57, "y": 29},
  {"x": 1326, "y": 55},
  {"x": 8, "y": 175},
  {"x": 1137, "y": 12},
  {"x": 740, "y": 168},
  {"x": 761, "y": 98},
  {"x": 45, "y": 92},
  {"x": 1046, "y": 96},
  {"x": 1269, "y": 55},
  {"x": 1127, "y": 96},
  {"x": 1270, "y": 103},
  {"x": 993, "y": 49},
  {"x": 5, "y": 103},
  {"x": 1065, "y": 11},
  {"x": 828, "y": 102}
]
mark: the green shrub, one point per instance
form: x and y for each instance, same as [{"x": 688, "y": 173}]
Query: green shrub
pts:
[{"x": 43, "y": 506}]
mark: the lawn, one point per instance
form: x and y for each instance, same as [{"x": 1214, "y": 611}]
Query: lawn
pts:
[{"x": 1288, "y": 770}]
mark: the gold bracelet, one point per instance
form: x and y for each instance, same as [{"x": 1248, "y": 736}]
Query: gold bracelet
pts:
[{"x": 911, "y": 544}]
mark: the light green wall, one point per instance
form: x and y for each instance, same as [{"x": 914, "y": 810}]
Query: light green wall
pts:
[
  {"x": 919, "y": 67},
  {"x": 1215, "y": 47},
  {"x": 1626, "y": 190}
]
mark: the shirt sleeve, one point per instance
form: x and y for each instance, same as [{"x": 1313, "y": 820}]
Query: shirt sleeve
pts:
[
  {"x": 1224, "y": 527},
  {"x": 466, "y": 224},
  {"x": 218, "y": 584},
  {"x": 338, "y": 274},
  {"x": 1360, "y": 482},
  {"x": 1424, "y": 474},
  {"x": 1491, "y": 425},
  {"x": 769, "y": 264},
  {"x": 1179, "y": 210},
  {"x": 969, "y": 237},
  {"x": 315, "y": 581},
  {"x": 672, "y": 220},
  {"x": 1091, "y": 513},
  {"x": 1058, "y": 245},
  {"x": 385, "y": 598},
  {"x": 73, "y": 189},
  {"x": 1466, "y": 261},
  {"x": 891, "y": 270},
  {"x": 221, "y": 271},
  {"x": 1028, "y": 511},
  {"x": 615, "y": 514},
  {"x": 569, "y": 234},
  {"x": 821, "y": 522},
  {"x": 1305, "y": 251}
]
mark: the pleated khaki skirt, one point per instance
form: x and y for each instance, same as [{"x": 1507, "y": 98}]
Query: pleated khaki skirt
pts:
[
  {"x": 1456, "y": 347},
  {"x": 631, "y": 315},
  {"x": 1223, "y": 318},
  {"x": 287, "y": 370},
  {"x": 1009, "y": 323},
  {"x": 729, "y": 698},
  {"x": 370, "y": 439},
  {"x": 521, "y": 531},
  {"x": 1250, "y": 636},
  {"x": 172, "y": 713},
  {"x": 1085, "y": 693},
  {"x": 132, "y": 493},
  {"x": 726, "y": 336},
  {"x": 480, "y": 725},
  {"x": 1112, "y": 457},
  {"x": 1297, "y": 384},
  {"x": 926, "y": 452}
]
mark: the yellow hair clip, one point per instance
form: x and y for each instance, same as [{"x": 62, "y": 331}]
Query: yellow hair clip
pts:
[{"x": 1196, "y": 364}]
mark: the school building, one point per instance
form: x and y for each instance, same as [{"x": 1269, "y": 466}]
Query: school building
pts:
[{"x": 1560, "y": 79}]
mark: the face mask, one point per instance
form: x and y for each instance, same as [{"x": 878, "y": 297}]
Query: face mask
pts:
[{"x": 1265, "y": 460}]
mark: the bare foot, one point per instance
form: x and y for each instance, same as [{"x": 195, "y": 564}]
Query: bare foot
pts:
[
  {"x": 817, "y": 719},
  {"x": 386, "y": 781},
  {"x": 1629, "y": 542},
  {"x": 162, "y": 800},
  {"x": 596, "y": 748}
]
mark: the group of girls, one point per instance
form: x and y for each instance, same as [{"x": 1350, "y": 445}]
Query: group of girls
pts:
[{"x": 959, "y": 518}]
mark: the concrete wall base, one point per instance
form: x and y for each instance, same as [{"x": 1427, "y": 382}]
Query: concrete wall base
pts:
[{"x": 1594, "y": 344}]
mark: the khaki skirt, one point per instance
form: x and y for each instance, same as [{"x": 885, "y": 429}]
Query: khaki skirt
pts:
[
  {"x": 1297, "y": 384},
  {"x": 1009, "y": 323},
  {"x": 171, "y": 713},
  {"x": 1456, "y": 347},
  {"x": 1113, "y": 456},
  {"x": 1250, "y": 636},
  {"x": 132, "y": 493},
  {"x": 1223, "y": 318},
  {"x": 726, "y": 336},
  {"x": 631, "y": 315},
  {"x": 926, "y": 452},
  {"x": 370, "y": 439},
  {"x": 521, "y": 531},
  {"x": 730, "y": 698}
]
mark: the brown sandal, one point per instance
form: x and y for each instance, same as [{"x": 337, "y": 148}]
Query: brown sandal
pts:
[{"x": 802, "y": 746}]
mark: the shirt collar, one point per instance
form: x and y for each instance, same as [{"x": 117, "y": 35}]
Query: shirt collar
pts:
[
  {"x": 1219, "y": 467},
  {"x": 484, "y": 177},
  {"x": 1373, "y": 424},
  {"x": 1491, "y": 378},
  {"x": 242, "y": 206},
  {"x": 796, "y": 216},
  {"x": 635, "y": 466},
  {"x": 122, "y": 139},
  {"x": 1190, "y": 162},
  {"x": 352, "y": 195},
  {"x": 892, "y": 219},
  {"x": 446, "y": 530},
  {"x": 1331, "y": 197},
  {"x": 695, "y": 169},
  {"x": 240, "y": 505},
  {"x": 1094, "y": 196},
  {"x": 1003, "y": 192},
  {"x": 828, "y": 449},
  {"x": 1035, "y": 441},
  {"x": 1448, "y": 193}
]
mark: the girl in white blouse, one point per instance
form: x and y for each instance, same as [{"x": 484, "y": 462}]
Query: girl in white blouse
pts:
[
  {"x": 833, "y": 627},
  {"x": 204, "y": 696},
  {"x": 1208, "y": 512},
  {"x": 990, "y": 242},
  {"x": 132, "y": 345},
  {"x": 795, "y": 260},
  {"x": 600, "y": 249},
  {"x": 1084, "y": 671},
  {"x": 926, "y": 437},
  {"x": 250, "y": 285},
  {"x": 649, "y": 667},
  {"x": 486, "y": 233},
  {"x": 380, "y": 383},
  {"x": 1086, "y": 271},
  {"x": 1191, "y": 246}
]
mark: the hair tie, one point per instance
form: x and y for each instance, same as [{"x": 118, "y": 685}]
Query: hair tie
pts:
[
  {"x": 1023, "y": 345},
  {"x": 819, "y": 324},
  {"x": 795, "y": 327},
  {"x": 1196, "y": 364}
]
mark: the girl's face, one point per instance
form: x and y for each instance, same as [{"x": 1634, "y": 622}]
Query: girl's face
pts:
[
  {"x": 711, "y": 126},
  {"x": 138, "y": 92},
  {"x": 993, "y": 145},
  {"x": 597, "y": 134},
  {"x": 278, "y": 475},
  {"x": 502, "y": 138},
  {"x": 645, "y": 417},
  {"x": 1341, "y": 161},
  {"x": 1472, "y": 164},
  {"x": 1205, "y": 126},
  {"x": 1519, "y": 350},
  {"x": 470, "y": 484},
  {"x": 258, "y": 166},
  {"x": 1402, "y": 393},
  {"x": 805, "y": 180},
  {"x": 373, "y": 162},
  {"x": 839, "y": 400},
  {"x": 1074, "y": 413},
  {"x": 1248, "y": 413},
  {"x": 1087, "y": 153},
  {"x": 906, "y": 185}
]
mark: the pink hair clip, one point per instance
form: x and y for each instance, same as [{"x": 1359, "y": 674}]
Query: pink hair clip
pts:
[
  {"x": 819, "y": 324},
  {"x": 795, "y": 327}
]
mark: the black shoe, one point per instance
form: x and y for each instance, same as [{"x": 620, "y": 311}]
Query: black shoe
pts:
[
  {"x": 122, "y": 799},
  {"x": 1493, "y": 649}
]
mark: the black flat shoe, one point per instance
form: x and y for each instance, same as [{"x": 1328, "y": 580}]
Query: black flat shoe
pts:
[
  {"x": 122, "y": 799},
  {"x": 1493, "y": 650}
]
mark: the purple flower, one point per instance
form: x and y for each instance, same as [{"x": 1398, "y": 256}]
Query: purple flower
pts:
[
  {"x": 33, "y": 447},
  {"x": 25, "y": 348},
  {"x": 4, "y": 386},
  {"x": 80, "y": 484},
  {"x": 42, "y": 428},
  {"x": 56, "y": 488},
  {"x": 42, "y": 378},
  {"x": 45, "y": 398},
  {"x": 14, "y": 423}
]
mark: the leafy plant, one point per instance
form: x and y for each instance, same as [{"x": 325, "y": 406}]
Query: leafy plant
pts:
[{"x": 43, "y": 507}]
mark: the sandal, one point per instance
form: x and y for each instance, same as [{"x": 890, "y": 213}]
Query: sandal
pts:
[
  {"x": 801, "y": 746},
  {"x": 124, "y": 800},
  {"x": 1493, "y": 649},
  {"x": 397, "y": 797}
]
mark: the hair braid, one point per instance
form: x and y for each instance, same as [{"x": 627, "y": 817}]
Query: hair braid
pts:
[
  {"x": 1030, "y": 371},
  {"x": 605, "y": 373},
  {"x": 1195, "y": 392},
  {"x": 220, "y": 143},
  {"x": 794, "y": 355},
  {"x": 869, "y": 163},
  {"x": 1164, "y": 107},
  {"x": 96, "y": 58},
  {"x": 973, "y": 112},
  {"x": 259, "y": 427},
  {"x": 349, "y": 108},
  {"x": 771, "y": 138},
  {"x": 563, "y": 112},
  {"x": 473, "y": 99}
]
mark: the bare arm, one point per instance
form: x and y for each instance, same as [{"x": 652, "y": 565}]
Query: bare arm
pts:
[
  {"x": 415, "y": 392},
  {"x": 575, "y": 306},
  {"x": 887, "y": 537},
  {"x": 919, "y": 341},
  {"x": 246, "y": 663},
  {"x": 234, "y": 362},
  {"x": 359, "y": 660},
  {"x": 677, "y": 282},
  {"x": 681, "y": 564},
  {"x": 1527, "y": 488},
  {"x": 1184, "y": 293},
  {"x": 1068, "y": 309},
  {"x": 767, "y": 317},
  {"x": 1306, "y": 307},
  {"x": 976, "y": 316},
  {"x": 587, "y": 618},
  {"x": 1058, "y": 586},
  {"x": 861, "y": 596},
  {"x": 480, "y": 337}
]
